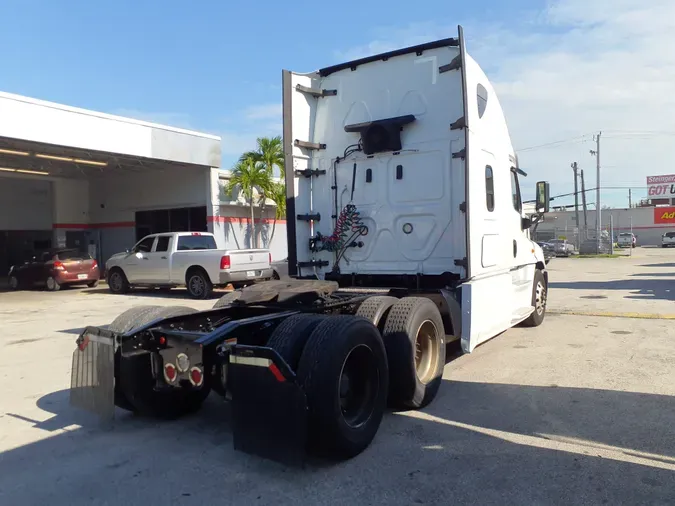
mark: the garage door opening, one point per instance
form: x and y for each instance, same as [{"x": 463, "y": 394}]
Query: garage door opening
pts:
[{"x": 184, "y": 219}]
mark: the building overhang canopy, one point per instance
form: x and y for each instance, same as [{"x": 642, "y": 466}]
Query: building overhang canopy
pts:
[{"x": 71, "y": 142}]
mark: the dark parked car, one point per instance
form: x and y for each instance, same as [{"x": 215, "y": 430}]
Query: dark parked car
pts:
[{"x": 54, "y": 269}]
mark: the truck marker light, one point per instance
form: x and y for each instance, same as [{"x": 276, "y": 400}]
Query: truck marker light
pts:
[
  {"x": 170, "y": 373},
  {"x": 162, "y": 340},
  {"x": 182, "y": 362},
  {"x": 196, "y": 376}
]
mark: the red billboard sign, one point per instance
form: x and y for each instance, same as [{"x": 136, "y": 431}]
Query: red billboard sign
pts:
[{"x": 664, "y": 215}]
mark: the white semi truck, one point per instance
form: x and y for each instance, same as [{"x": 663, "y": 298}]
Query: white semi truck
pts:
[{"x": 405, "y": 231}]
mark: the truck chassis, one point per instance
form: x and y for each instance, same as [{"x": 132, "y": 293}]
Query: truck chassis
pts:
[{"x": 309, "y": 368}]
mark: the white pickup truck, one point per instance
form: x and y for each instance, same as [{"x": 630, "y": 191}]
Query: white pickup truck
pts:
[{"x": 189, "y": 259}]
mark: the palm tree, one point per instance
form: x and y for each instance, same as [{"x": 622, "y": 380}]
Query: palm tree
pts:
[
  {"x": 269, "y": 153},
  {"x": 277, "y": 193},
  {"x": 248, "y": 176}
]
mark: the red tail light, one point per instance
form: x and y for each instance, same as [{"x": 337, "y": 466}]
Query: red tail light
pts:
[
  {"x": 225, "y": 262},
  {"x": 94, "y": 265},
  {"x": 196, "y": 376},
  {"x": 58, "y": 265},
  {"x": 170, "y": 373}
]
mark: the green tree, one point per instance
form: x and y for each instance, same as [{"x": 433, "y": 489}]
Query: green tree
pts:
[
  {"x": 270, "y": 153},
  {"x": 248, "y": 176},
  {"x": 277, "y": 193}
]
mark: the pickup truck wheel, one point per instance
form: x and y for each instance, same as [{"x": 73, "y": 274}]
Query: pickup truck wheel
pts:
[
  {"x": 227, "y": 299},
  {"x": 375, "y": 309},
  {"x": 343, "y": 372},
  {"x": 539, "y": 296},
  {"x": 414, "y": 337},
  {"x": 117, "y": 282},
  {"x": 198, "y": 284},
  {"x": 290, "y": 337},
  {"x": 138, "y": 384}
]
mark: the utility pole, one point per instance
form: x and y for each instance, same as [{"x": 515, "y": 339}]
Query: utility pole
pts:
[
  {"x": 630, "y": 199},
  {"x": 576, "y": 204},
  {"x": 598, "y": 218},
  {"x": 583, "y": 203}
]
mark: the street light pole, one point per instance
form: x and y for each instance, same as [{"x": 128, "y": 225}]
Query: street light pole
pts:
[{"x": 598, "y": 217}]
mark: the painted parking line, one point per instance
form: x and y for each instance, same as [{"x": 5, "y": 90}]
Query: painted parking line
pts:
[{"x": 612, "y": 314}]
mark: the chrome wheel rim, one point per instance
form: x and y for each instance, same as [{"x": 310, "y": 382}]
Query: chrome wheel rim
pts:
[
  {"x": 51, "y": 283},
  {"x": 426, "y": 351},
  {"x": 13, "y": 283},
  {"x": 540, "y": 298}
]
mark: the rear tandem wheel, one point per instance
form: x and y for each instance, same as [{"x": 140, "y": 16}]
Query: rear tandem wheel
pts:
[{"x": 343, "y": 372}]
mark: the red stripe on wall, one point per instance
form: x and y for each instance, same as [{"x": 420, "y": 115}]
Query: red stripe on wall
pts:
[
  {"x": 84, "y": 226},
  {"x": 232, "y": 219}
]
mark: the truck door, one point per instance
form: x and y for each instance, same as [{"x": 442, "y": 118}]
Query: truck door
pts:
[
  {"x": 158, "y": 263},
  {"x": 135, "y": 264},
  {"x": 521, "y": 254}
]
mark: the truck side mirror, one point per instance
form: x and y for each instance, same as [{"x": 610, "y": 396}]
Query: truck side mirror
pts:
[{"x": 542, "y": 201}]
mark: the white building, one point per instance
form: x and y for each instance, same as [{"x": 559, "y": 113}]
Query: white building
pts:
[{"x": 72, "y": 177}]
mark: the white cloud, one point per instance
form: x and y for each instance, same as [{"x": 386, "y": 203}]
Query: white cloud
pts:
[{"x": 568, "y": 71}]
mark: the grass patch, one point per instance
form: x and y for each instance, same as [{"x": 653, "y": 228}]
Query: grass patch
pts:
[{"x": 603, "y": 255}]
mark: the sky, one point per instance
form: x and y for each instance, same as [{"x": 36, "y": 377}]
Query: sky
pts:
[{"x": 564, "y": 70}]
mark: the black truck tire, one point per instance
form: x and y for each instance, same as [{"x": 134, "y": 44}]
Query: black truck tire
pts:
[
  {"x": 117, "y": 281},
  {"x": 343, "y": 372},
  {"x": 290, "y": 337},
  {"x": 198, "y": 283},
  {"x": 375, "y": 309},
  {"x": 414, "y": 338},
  {"x": 136, "y": 383},
  {"x": 539, "y": 295},
  {"x": 227, "y": 299}
]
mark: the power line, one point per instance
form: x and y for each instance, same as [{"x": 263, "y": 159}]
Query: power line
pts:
[{"x": 555, "y": 143}]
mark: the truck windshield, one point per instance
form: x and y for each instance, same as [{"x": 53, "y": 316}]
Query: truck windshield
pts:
[{"x": 192, "y": 242}]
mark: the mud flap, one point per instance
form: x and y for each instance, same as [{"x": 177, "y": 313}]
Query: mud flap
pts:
[
  {"x": 269, "y": 407},
  {"x": 92, "y": 379}
]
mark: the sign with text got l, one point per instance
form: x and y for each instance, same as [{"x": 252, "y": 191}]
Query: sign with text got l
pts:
[
  {"x": 661, "y": 186},
  {"x": 664, "y": 215}
]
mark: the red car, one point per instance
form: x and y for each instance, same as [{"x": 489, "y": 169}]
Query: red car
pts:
[{"x": 54, "y": 269}]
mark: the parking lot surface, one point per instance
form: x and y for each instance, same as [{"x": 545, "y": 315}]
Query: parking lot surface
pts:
[{"x": 577, "y": 411}]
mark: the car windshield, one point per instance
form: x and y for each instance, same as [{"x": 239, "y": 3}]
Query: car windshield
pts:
[{"x": 670, "y": 235}]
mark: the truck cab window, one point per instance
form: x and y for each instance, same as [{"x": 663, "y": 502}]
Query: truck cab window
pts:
[
  {"x": 489, "y": 189},
  {"x": 163, "y": 243},
  {"x": 145, "y": 246},
  {"x": 515, "y": 192}
]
